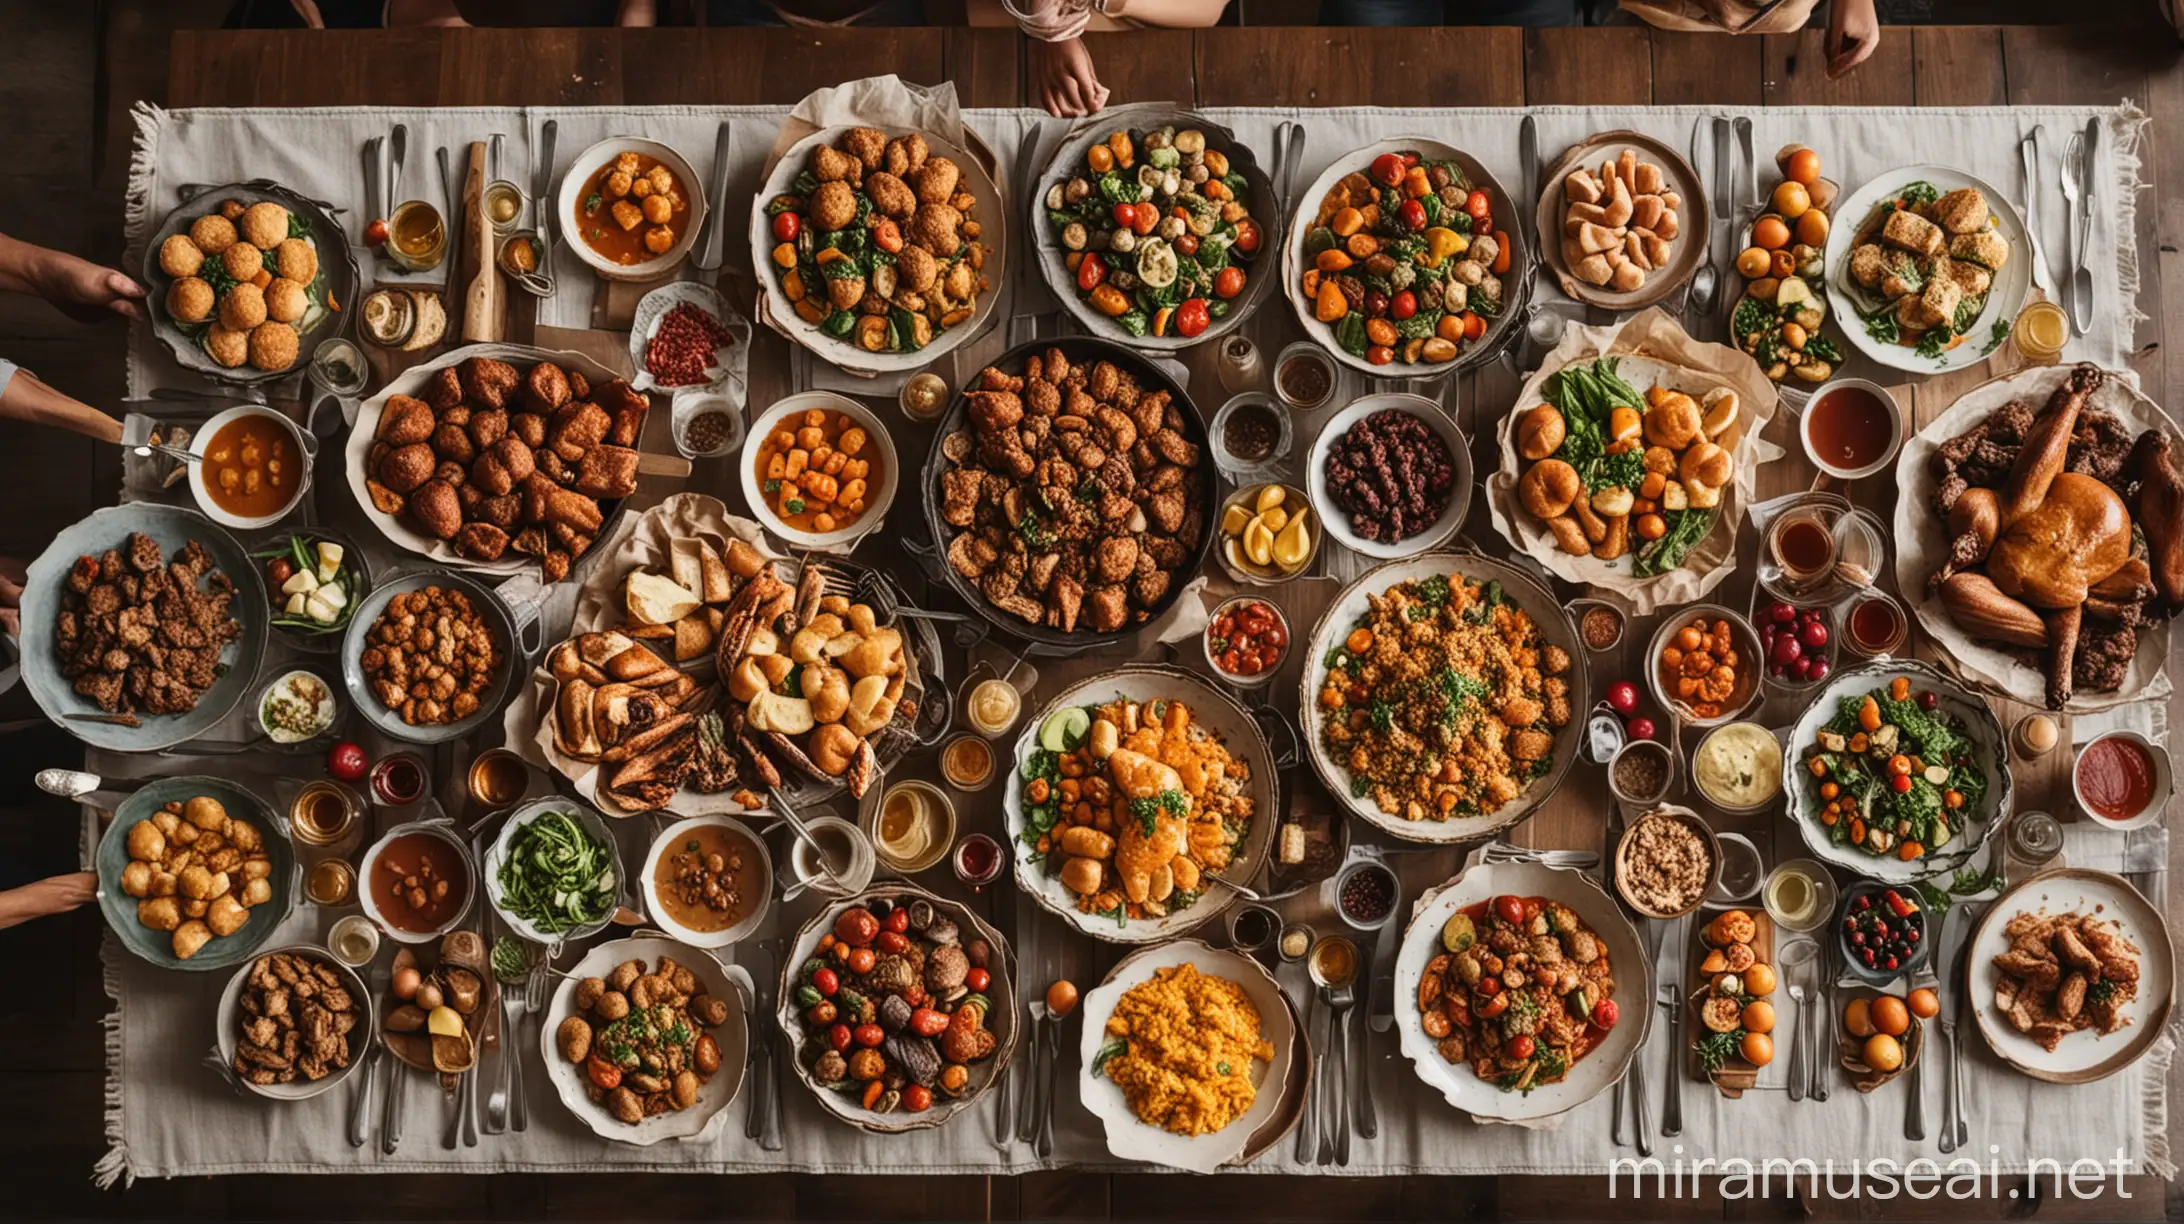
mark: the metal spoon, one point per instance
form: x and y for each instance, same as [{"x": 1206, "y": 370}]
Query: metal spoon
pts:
[
  {"x": 541, "y": 282},
  {"x": 145, "y": 450},
  {"x": 1798, "y": 1073},
  {"x": 1027, "y": 1104}
]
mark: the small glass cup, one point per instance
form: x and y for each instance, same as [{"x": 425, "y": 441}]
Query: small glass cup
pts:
[
  {"x": 338, "y": 367},
  {"x": 416, "y": 237},
  {"x": 504, "y": 203},
  {"x": 978, "y": 860},
  {"x": 1742, "y": 870},
  {"x": 354, "y": 941}
]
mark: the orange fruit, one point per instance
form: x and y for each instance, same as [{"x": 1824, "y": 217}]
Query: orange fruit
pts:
[
  {"x": 1883, "y": 1052},
  {"x": 1752, "y": 263},
  {"x": 1771, "y": 233},
  {"x": 1812, "y": 228},
  {"x": 1791, "y": 199},
  {"x": 1759, "y": 979},
  {"x": 1858, "y": 1018},
  {"x": 1802, "y": 166},
  {"x": 1923, "y": 1003},
  {"x": 1890, "y": 1016},
  {"x": 1759, "y": 1016},
  {"x": 1757, "y": 1049}
]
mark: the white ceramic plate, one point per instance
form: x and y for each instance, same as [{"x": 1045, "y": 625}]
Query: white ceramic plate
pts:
[
  {"x": 1922, "y": 537},
  {"x": 580, "y": 173},
  {"x": 1211, "y": 707},
  {"x": 1335, "y": 521},
  {"x": 1847, "y": 297},
  {"x": 1555, "y": 628},
  {"x": 728, "y": 982},
  {"x": 781, "y": 313},
  {"x": 649, "y": 882},
  {"x": 1600, "y": 1067},
  {"x": 879, "y": 489},
  {"x": 1130, "y": 1139},
  {"x": 360, "y": 1036},
  {"x": 1981, "y": 725},
  {"x": 725, "y": 374},
  {"x": 1507, "y": 219},
  {"x": 2084, "y": 1056},
  {"x": 399, "y": 530}
]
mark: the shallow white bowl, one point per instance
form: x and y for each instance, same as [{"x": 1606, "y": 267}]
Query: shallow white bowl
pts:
[
  {"x": 649, "y": 883},
  {"x": 2157, "y": 802},
  {"x": 203, "y": 438},
  {"x": 497, "y": 855},
  {"x": 879, "y": 488},
  {"x": 359, "y": 1037},
  {"x": 445, "y": 832},
  {"x": 581, "y": 171},
  {"x": 1335, "y": 521}
]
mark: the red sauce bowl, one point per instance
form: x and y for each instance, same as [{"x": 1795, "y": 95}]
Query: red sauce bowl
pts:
[{"x": 2122, "y": 780}]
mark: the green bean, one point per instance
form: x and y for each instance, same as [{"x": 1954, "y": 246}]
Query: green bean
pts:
[{"x": 557, "y": 876}]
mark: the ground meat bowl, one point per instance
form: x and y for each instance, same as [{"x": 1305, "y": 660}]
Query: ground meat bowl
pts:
[
  {"x": 1070, "y": 492},
  {"x": 1390, "y": 475},
  {"x": 1441, "y": 702}
]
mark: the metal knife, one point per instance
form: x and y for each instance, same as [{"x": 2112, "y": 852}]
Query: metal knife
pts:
[
  {"x": 375, "y": 182},
  {"x": 398, "y": 151},
  {"x": 542, "y": 177},
  {"x": 1364, "y": 1116},
  {"x": 761, "y": 1046},
  {"x": 1955, "y": 996},
  {"x": 1670, "y": 995},
  {"x": 1614, "y": 834},
  {"x": 1824, "y": 1002},
  {"x": 2081, "y": 280},
  {"x": 769, "y": 1131},
  {"x": 2029, "y": 147},
  {"x": 713, "y": 244},
  {"x": 360, "y": 1131},
  {"x": 390, "y": 1121},
  {"x": 1638, "y": 1063},
  {"x": 1748, "y": 169},
  {"x": 1528, "y": 156},
  {"x": 1914, "y": 1111}
]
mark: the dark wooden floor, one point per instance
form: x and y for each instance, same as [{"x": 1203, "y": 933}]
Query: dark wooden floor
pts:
[{"x": 73, "y": 70}]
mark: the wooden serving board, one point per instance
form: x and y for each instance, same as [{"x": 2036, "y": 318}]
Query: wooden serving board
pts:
[{"x": 1736, "y": 1076}]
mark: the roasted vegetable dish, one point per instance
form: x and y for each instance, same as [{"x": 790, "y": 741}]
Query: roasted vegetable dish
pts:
[
  {"x": 636, "y": 1033},
  {"x": 875, "y": 243},
  {"x": 895, "y": 1003},
  {"x": 1157, "y": 231},
  {"x": 1444, "y": 700},
  {"x": 1925, "y": 261},
  {"x": 1404, "y": 263},
  {"x": 1895, "y": 774},
  {"x": 1521, "y": 990},
  {"x": 1132, "y": 804}
]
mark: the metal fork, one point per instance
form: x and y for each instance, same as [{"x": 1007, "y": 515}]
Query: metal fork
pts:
[
  {"x": 866, "y": 586},
  {"x": 1638, "y": 1063}
]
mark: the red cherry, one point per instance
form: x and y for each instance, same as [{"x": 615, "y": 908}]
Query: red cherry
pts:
[
  {"x": 1814, "y": 634},
  {"x": 1639, "y": 728},
  {"x": 1786, "y": 650},
  {"x": 1781, "y": 613},
  {"x": 347, "y": 761},
  {"x": 1623, "y": 697}
]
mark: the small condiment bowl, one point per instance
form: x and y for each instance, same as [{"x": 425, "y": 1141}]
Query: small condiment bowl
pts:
[
  {"x": 649, "y": 885},
  {"x": 1921, "y": 951},
  {"x": 510, "y": 248},
  {"x": 1293, "y": 500},
  {"x": 688, "y": 407},
  {"x": 1364, "y": 866},
  {"x": 969, "y": 785},
  {"x": 1262, "y": 679},
  {"x": 1302, "y": 930},
  {"x": 1242, "y": 465},
  {"x": 2157, "y": 798},
  {"x": 943, "y": 833},
  {"x": 201, "y": 471},
  {"x": 280, "y": 683},
  {"x": 1640, "y": 748},
  {"x": 1332, "y": 962},
  {"x": 1749, "y": 671},
  {"x": 496, "y": 857},
  {"x": 1895, "y": 427},
  {"x": 1579, "y": 609},
  {"x": 369, "y": 864},
  {"x": 1311, "y": 354},
  {"x": 1735, "y": 809},
  {"x": 1627, "y": 847}
]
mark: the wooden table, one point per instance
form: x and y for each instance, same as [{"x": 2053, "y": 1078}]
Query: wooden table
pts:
[{"x": 1250, "y": 66}]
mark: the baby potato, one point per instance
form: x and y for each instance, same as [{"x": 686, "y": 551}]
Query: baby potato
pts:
[
  {"x": 574, "y": 1038},
  {"x": 257, "y": 891},
  {"x": 189, "y": 937},
  {"x": 136, "y": 879},
  {"x": 686, "y": 1088},
  {"x": 196, "y": 883},
  {"x": 146, "y": 842},
  {"x": 206, "y": 812},
  {"x": 159, "y": 913},
  {"x": 612, "y": 1005}
]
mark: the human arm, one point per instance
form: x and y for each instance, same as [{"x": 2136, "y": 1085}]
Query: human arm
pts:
[
  {"x": 26, "y": 398},
  {"x": 637, "y": 13},
  {"x": 52, "y": 895},
  {"x": 1853, "y": 33},
  {"x": 83, "y": 290},
  {"x": 1067, "y": 85},
  {"x": 423, "y": 13},
  {"x": 1168, "y": 14}
]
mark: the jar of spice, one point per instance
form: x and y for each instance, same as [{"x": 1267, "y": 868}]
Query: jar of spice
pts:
[{"x": 1250, "y": 435}]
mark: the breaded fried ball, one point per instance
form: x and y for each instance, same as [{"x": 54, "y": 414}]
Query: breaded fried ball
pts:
[
  {"x": 242, "y": 261},
  {"x": 905, "y": 153},
  {"x": 640, "y": 189},
  {"x": 228, "y": 347},
  {"x": 189, "y": 300},
  {"x": 243, "y": 308},
  {"x": 663, "y": 179},
  {"x": 829, "y": 164},
  {"x": 212, "y": 234},
  {"x": 936, "y": 180},
  {"x": 265, "y": 224},
  {"x": 867, "y": 145},
  {"x": 917, "y": 267},
  {"x": 273, "y": 346},
  {"x": 626, "y": 163},
  {"x": 833, "y": 206},
  {"x": 659, "y": 240},
  {"x": 285, "y": 300},
  {"x": 232, "y": 209},
  {"x": 617, "y": 185},
  {"x": 890, "y": 195},
  {"x": 178, "y": 256},
  {"x": 658, "y": 208},
  {"x": 296, "y": 259},
  {"x": 937, "y": 228}
]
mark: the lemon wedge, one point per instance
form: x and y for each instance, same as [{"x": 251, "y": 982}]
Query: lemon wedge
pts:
[
  {"x": 444, "y": 1021},
  {"x": 1274, "y": 518},
  {"x": 1234, "y": 519},
  {"x": 1269, "y": 497},
  {"x": 1294, "y": 543},
  {"x": 1259, "y": 543}
]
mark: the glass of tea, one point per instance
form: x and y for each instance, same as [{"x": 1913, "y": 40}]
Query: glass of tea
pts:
[
  {"x": 1876, "y": 626},
  {"x": 327, "y": 816},
  {"x": 497, "y": 779},
  {"x": 1802, "y": 544}
]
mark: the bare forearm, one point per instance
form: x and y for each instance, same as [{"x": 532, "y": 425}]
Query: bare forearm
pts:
[
  {"x": 1171, "y": 14},
  {"x": 17, "y": 260},
  {"x": 33, "y": 402}
]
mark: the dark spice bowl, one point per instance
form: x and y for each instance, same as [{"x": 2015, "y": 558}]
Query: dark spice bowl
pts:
[{"x": 1365, "y": 894}]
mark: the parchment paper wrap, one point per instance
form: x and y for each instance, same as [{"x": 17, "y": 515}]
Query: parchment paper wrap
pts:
[
  {"x": 1694, "y": 368},
  {"x": 1922, "y": 541}
]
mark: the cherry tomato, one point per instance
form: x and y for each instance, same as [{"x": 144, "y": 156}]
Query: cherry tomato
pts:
[
  {"x": 1126, "y": 215},
  {"x": 1409, "y": 160},
  {"x": 1403, "y": 305},
  {"x": 856, "y": 927},
  {"x": 898, "y": 919},
  {"x": 1388, "y": 169},
  {"x": 840, "y": 1037},
  {"x": 1510, "y": 909},
  {"x": 375, "y": 234},
  {"x": 1192, "y": 317},
  {"x": 825, "y": 982},
  {"x": 1247, "y": 236},
  {"x": 917, "y": 1098},
  {"x": 1474, "y": 326},
  {"x": 1605, "y": 1013},
  {"x": 1520, "y": 1046},
  {"x": 1481, "y": 209},
  {"x": 890, "y": 941},
  {"x": 870, "y": 1035},
  {"x": 1250, "y": 665},
  {"x": 1229, "y": 282},
  {"x": 977, "y": 980},
  {"x": 1380, "y": 354},
  {"x": 1900, "y": 783},
  {"x": 785, "y": 226},
  {"x": 861, "y": 960},
  {"x": 1276, "y": 636},
  {"x": 1186, "y": 244},
  {"x": 1231, "y": 661},
  {"x": 1091, "y": 273},
  {"x": 1488, "y": 986},
  {"x": 1494, "y": 1006},
  {"x": 603, "y": 1073},
  {"x": 1414, "y": 215}
]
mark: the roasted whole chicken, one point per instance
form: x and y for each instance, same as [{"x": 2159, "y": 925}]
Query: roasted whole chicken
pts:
[{"x": 2042, "y": 556}]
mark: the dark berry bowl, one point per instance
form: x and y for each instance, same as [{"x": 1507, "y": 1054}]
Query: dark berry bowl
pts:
[
  {"x": 1883, "y": 931},
  {"x": 1390, "y": 476}
]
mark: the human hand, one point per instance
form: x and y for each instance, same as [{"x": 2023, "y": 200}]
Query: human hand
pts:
[
  {"x": 11, "y": 596},
  {"x": 52, "y": 895},
  {"x": 1853, "y": 33},
  {"x": 85, "y": 291},
  {"x": 1066, "y": 81}
]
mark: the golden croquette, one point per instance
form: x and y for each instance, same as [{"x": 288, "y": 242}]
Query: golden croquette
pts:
[
  {"x": 228, "y": 347},
  {"x": 242, "y": 261},
  {"x": 297, "y": 260},
  {"x": 285, "y": 300},
  {"x": 189, "y": 300},
  {"x": 243, "y": 308},
  {"x": 273, "y": 346},
  {"x": 265, "y": 224},
  {"x": 212, "y": 233},
  {"x": 178, "y": 256}
]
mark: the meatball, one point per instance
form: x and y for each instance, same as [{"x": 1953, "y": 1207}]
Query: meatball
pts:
[
  {"x": 285, "y": 300},
  {"x": 615, "y": 185},
  {"x": 178, "y": 256},
  {"x": 265, "y": 224},
  {"x": 574, "y": 1038},
  {"x": 937, "y": 228},
  {"x": 658, "y": 209},
  {"x": 867, "y": 145},
  {"x": 890, "y": 195},
  {"x": 833, "y": 206},
  {"x": 273, "y": 346},
  {"x": 917, "y": 268},
  {"x": 659, "y": 240},
  {"x": 243, "y": 308},
  {"x": 936, "y": 180}
]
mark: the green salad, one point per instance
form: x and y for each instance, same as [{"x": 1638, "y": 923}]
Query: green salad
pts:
[
  {"x": 1893, "y": 774},
  {"x": 558, "y": 875}
]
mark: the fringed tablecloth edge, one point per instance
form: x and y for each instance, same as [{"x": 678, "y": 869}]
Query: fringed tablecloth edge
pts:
[{"x": 136, "y": 206}]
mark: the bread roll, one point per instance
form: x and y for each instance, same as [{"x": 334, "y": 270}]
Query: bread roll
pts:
[
  {"x": 1673, "y": 422},
  {"x": 1705, "y": 464},
  {"x": 1540, "y": 432},
  {"x": 1548, "y": 488}
]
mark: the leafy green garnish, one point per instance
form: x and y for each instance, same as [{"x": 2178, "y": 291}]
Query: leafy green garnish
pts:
[
  {"x": 1996, "y": 335},
  {"x": 1685, "y": 529},
  {"x": 1716, "y": 1049}
]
